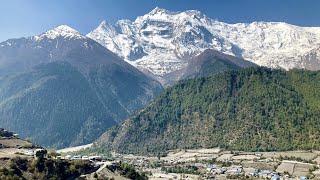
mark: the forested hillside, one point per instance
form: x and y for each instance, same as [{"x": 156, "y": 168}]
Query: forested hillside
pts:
[
  {"x": 55, "y": 105},
  {"x": 254, "y": 109},
  {"x": 61, "y": 88}
]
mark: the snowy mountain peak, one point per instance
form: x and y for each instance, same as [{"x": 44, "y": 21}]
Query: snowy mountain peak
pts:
[
  {"x": 158, "y": 10},
  {"x": 162, "y": 41},
  {"x": 161, "y": 11},
  {"x": 104, "y": 24},
  {"x": 166, "y": 15},
  {"x": 194, "y": 13},
  {"x": 65, "y": 29},
  {"x": 60, "y": 31}
]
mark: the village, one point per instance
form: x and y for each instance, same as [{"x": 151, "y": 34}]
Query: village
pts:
[{"x": 216, "y": 163}]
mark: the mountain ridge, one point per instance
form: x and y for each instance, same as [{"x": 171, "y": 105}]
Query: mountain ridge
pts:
[
  {"x": 162, "y": 41},
  {"x": 253, "y": 109},
  {"x": 207, "y": 63},
  {"x": 34, "y": 98}
]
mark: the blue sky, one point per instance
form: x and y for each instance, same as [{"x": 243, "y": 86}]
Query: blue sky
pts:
[{"x": 29, "y": 17}]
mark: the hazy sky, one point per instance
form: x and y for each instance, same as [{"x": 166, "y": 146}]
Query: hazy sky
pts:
[{"x": 29, "y": 17}]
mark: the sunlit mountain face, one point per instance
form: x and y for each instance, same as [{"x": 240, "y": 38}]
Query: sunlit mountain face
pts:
[{"x": 163, "y": 41}]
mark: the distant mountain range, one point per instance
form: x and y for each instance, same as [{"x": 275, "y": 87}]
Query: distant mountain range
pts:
[
  {"x": 163, "y": 41},
  {"x": 253, "y": 109},
  {"x": 61, "y": 88}
]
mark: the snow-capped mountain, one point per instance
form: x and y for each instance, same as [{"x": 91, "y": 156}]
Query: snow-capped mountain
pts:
[
  {"x": 60, "y": 31},
  {"x": 163, "y": 41},
  {"x": 24, "y": 53},
  {"x": 61, "y": 88}
]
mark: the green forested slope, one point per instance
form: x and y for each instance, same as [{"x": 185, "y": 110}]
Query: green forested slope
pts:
[
  {"x": 31, "y": 103},
  {"x": 254, "y": 109},
  {"x": 67, "y": 90},
  {"x": 55, "y": 105}
]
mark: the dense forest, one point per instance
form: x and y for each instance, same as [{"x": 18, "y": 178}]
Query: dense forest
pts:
[
  {"x": 66, "y": 90},
  {"x": 56, "y": 105},
  {"x": 253, "y": 109}
]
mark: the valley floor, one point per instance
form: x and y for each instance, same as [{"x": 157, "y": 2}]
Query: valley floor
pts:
[
  {"x": 218, "y": 164},
  {"x": 214, "y": 163}
]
